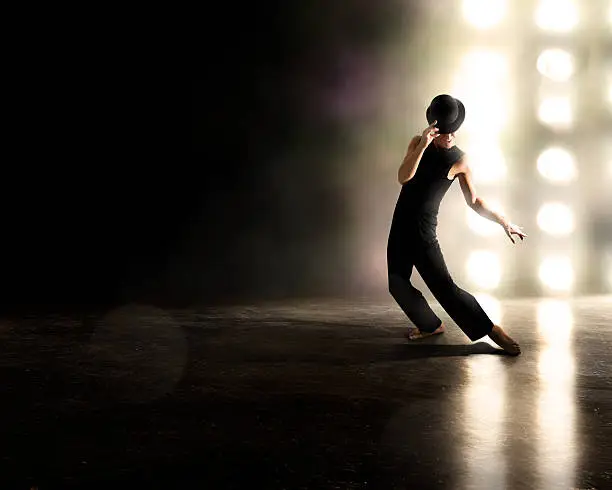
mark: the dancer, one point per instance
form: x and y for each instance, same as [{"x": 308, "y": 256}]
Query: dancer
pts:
[{"x": 427, "y": 172}]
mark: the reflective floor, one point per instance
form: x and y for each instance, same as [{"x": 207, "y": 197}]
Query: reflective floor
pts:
[{"x": 319, "y": 395}]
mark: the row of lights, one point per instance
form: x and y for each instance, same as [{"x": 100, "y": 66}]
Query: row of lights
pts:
[
  {"x": 484, "y": 270},
  {"x": 556, "y": 164},
  {"x": 556, "y": 66},
  {"x": 555, "y": 272},
  {"x": 558, "y": 16}
]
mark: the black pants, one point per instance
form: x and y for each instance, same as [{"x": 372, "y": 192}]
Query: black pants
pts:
[{"x": 460, "y": 305}]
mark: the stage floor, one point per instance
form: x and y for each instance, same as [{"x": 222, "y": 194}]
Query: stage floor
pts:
[{"x": 308, "y": 395}]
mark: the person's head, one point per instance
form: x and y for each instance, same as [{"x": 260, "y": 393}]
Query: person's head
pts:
[{"x": 450, "y": 114}]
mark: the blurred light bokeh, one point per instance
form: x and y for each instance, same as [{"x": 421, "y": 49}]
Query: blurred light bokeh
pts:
[{"x": 536, "y": 81}]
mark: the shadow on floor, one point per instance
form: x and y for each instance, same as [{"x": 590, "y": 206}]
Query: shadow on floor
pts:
[{"x": 415, "y": 351}]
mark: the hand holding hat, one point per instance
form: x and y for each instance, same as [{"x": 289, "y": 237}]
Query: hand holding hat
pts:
[{"x": 429, "y": 134}]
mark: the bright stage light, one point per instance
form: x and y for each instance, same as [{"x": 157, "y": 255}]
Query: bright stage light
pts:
[
  {"x": 484, "y": 14},
  {"x": 483, "y": 226},
  {"x": 556, "y": 112},
  {"x": 556, "y": 64},
  {"x": 484, "y": 269},
  {"x": 557, "y": 165},
  {"x": 556, "y": 272},
  {"x": 556, "y": 219},
  {"x": 556, "y": 15},
  {"x": 482, "y": 84}
]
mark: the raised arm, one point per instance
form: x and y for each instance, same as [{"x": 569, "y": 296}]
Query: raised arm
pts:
[
  {"x": 415, "y": 151},
  {"x": 480, "y": 206}
]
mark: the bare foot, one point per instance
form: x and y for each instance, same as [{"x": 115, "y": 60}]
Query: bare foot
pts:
[
  {"x": 414, "y": 333},
  {"x": 502, "y": 339}
]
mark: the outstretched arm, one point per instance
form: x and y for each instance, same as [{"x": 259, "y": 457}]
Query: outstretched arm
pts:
[{"x": 480, "y": 206}]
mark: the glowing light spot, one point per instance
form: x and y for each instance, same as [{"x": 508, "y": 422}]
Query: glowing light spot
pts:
[
  {"x": 556, "y": 15},
  {"x": 556, "y": 112},
  {"x": 484, "y": 14},
  {"x": 556, "y": 219},
  {"x": 557, "y": 165},
  {"x": 556, "y": 64}
]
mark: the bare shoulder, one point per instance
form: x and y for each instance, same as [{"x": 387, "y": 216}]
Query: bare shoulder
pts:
[
  {"x": 462, "y": 166},
  {"x": 459, "y": 169}
]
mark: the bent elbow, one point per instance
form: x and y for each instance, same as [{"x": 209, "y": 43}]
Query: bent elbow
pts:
[{"x": 475, "y": 203}]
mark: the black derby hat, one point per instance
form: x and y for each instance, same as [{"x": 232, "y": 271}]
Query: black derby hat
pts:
[{"x": 448, "y": 111}]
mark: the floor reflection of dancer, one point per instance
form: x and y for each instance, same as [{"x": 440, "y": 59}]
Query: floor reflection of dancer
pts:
[{"x": 427, "y": 172}]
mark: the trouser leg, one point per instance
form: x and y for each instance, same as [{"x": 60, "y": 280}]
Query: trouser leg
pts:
[
  {"x": 409, "y": 298},
  {"x": 460, "y": 305}
]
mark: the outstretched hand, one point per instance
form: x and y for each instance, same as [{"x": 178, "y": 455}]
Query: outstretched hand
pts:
[{"x": 512, "y": 229}]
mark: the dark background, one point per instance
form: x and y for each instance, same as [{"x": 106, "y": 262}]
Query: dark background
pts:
[{"x": 184, "y": 167}]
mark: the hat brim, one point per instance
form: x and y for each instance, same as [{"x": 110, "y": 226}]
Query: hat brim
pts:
[{"x": 452, "y": 126}]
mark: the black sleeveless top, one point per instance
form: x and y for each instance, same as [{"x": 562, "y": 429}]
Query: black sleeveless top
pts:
[{"x": 416, "y": 212}]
